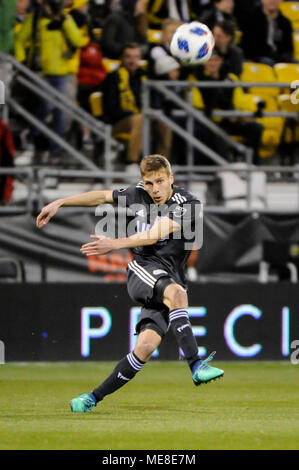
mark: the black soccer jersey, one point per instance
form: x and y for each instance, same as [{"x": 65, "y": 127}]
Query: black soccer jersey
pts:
[{"x": 172, "y": 252}]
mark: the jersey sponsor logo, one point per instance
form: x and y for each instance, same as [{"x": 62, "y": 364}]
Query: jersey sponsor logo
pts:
[
  {"x": 141, "y": 213},
  {"x": 159, "y": 271},
  {"x": 179, "y": 211}
]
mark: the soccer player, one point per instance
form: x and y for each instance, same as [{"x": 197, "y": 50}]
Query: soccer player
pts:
[{"x": 166, "y": 219}]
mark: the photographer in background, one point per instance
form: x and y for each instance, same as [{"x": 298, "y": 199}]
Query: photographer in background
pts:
[
  {"x": 56, "y": 37},
  {"x": 21, "y": 13}
]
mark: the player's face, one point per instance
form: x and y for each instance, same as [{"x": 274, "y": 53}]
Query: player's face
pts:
[{"x": 159, "y": 185}]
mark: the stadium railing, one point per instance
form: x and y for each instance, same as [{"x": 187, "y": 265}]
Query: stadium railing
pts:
[
  {"x": 164, "y": 87},
  {"x": 187, "y": 174},
  {"x": 41, "y": 88},
  {"x": 192, "y": 114},
  {"x": 199, "y": 174}
]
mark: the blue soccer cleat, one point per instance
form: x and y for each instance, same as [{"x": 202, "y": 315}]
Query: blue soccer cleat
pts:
[
  {"x": 82, "y": 403},
  {"x": 205, "y": 373}
]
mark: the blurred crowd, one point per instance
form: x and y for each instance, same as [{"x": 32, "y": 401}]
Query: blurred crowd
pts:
[{"x": 98, "y": 53}]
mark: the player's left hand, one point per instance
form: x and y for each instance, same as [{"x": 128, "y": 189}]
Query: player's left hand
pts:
[{"x": 100, "y": 246}]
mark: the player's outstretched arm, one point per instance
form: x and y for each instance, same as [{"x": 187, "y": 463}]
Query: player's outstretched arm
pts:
[
  {"x": 92, "y": 198},
  {"x": 102, "y": 245}
]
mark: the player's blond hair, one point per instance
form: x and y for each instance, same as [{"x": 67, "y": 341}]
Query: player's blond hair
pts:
[{"x": 154, "y": 162}]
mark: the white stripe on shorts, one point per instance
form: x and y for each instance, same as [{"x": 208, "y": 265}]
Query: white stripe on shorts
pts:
[
  {"x": 141, "y": 275},
  {"x": 141, "y": 268}
]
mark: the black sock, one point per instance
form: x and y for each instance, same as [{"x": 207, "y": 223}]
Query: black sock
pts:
[
  {"x": 183, "y": 333},
  {"x": 123, "y": 372}
]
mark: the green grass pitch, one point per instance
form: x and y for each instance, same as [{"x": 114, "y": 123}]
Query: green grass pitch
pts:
[{"x": 254, "y": 406}]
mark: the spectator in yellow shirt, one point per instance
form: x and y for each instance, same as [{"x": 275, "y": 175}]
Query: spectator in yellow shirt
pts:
[{"x": 54, "y": 39}]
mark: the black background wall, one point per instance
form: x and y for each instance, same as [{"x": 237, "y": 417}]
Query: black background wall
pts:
[{"x": 41, "y": 322}]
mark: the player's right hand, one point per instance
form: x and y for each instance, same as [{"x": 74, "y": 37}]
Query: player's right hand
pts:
[{"x": 46, "y": 214}]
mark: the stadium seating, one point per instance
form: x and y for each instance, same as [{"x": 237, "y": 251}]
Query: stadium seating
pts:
[
  {"x": 271, "y": 139},
  {"x": 95, "y": 100},
  {"x": 97, "y": 33},
  {"x": 285, "y": 104},
  {"x": 276, "y": 128},
  {"x": 273, "y": 127},
  {"x": 154, "y": 36},
  {"x": 286, "y": 73},
  {"x": 291, "y": 11},
  {"x": 111, "y": 64},
  {"x": 296, "y": 45},
  {"x": 256, "y": 72},
  {"x": 282, "y": 196},
  {"x": 291, "y": 129},
  {"x": 11, "y": 270},
  {"x": 234, "y": 188}
]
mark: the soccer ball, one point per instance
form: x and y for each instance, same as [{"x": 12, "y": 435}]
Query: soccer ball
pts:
[{"x": 192, "y": 43}]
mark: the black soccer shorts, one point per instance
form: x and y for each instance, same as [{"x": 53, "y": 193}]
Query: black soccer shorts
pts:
[{"x": 142, "y": 279}]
